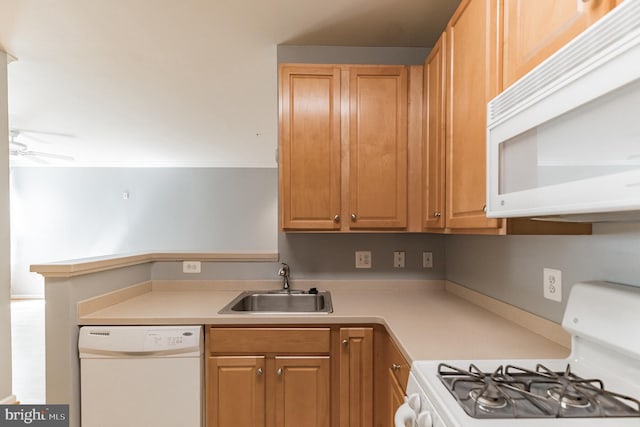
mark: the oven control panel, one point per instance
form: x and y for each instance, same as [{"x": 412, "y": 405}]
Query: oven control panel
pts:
[{"x": 424, "y": 414}]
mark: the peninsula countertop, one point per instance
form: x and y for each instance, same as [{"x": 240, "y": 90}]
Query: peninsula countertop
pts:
[{"x": 429, "y": 320}]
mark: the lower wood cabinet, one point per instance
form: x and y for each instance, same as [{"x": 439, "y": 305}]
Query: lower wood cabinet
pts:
[
  {"x": 390, "y": 380},
  {"x": 395, "y": 397},
  {"x": 289, "y": 377},
  {"x": 235, "y": 391},
  {"x": 302, "y": 390},
  {"x": 356, "y": 377},
  {"x": 243, "y": 392}
]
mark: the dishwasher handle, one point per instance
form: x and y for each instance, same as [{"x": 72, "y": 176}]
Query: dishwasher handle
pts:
[{"x": 92, "y": 353}]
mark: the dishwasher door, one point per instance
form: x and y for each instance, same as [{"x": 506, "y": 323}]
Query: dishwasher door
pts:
[{"x": 132, "y": 376}]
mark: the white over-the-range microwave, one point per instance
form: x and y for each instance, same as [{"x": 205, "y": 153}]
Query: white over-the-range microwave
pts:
[{"x": 563, "y": 142}]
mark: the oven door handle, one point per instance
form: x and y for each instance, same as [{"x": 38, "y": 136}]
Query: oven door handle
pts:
[{"x": 405, "y": 416}]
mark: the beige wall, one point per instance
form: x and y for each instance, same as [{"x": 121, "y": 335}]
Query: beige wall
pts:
[{"x": 5, "y": 264}]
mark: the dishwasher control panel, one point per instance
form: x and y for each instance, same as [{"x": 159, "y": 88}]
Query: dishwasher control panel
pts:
[
  {"x": 111, "y": 341},
  {"x": 169, "y": 339}
]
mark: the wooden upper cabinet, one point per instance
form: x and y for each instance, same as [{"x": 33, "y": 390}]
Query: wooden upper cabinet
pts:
[
  {"x": 343, "y": 147},
  {"x": 433, "y": 149},
  {"x": 309, "y": 153},
  {"x": 533, "y": 30},
  {"x": 473, "y": 77},
  {"x": 378, "y": 147}
]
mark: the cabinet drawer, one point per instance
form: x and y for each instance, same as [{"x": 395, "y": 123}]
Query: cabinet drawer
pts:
[
  {"x": 269, "y": 340},
  {"x": 398, "y": 365}
]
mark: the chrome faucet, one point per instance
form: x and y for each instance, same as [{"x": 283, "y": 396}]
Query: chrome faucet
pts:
[{"x": 284, "y": 272}]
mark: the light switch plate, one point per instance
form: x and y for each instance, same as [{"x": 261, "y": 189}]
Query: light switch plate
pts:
[{"x": 552, "y": 284}]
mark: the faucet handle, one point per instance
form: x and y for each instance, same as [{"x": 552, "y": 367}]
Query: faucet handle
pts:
[
  {"x": 284, "y": 270},
  {"x": 284, "y": 273}
]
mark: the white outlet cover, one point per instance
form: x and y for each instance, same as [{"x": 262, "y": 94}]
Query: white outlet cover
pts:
[
  {"x": 398, "y": 259},
  {"x": 363, "y": 259},
  {"x": 552, "y": 284},
  {"x": 191, "y": 267},
  {"x": 427, "y": 259}
]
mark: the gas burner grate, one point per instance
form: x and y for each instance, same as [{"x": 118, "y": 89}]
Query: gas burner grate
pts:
[{"x": 514, "y": 392}]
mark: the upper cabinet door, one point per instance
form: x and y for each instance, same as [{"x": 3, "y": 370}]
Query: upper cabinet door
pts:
[
  {"x": 433, "y": 150},
  {"x": 378, "y": 147},
  {"x": 472, "y": 80},
  {"x": 533, "y": 30},
  {"x": 309, "y": 153}
]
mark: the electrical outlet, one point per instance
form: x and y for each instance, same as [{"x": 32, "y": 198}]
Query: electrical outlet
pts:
[
  {"x": 552, "y": 284},
  {"x": 363, "y": 259},
  {"x": 427, "y": 259},
  {"x": 191, "y": 267},
  {"x": 398, "y": 259}
]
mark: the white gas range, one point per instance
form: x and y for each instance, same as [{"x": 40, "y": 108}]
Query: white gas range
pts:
[{"x": 597, "y": 385}]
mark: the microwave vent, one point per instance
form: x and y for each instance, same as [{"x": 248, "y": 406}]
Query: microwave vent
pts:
[{"x": 610, "y": 36}]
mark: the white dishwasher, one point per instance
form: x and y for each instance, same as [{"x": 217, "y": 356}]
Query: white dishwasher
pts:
[{"x": 133, "y": 376}]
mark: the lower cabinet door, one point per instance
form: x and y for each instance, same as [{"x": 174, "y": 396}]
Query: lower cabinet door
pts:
[
  {"x": 235, "y": 395},
  {"x": 396, "y": 396},
  {"x": 302, "y": 390},
  {"x": 356, "y": 377}
]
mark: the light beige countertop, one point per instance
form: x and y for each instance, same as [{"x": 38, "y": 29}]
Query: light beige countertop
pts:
[{"x": 428, "y": 319}]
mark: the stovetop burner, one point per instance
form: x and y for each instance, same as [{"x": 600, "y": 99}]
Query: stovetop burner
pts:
[{"x": 514, "y": 392}]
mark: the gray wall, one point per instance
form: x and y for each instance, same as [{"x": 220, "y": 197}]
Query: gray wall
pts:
[
  {"x": 328, "y": 256},
  {"x": 67, "y": 213},
  {"x": 509, "y": 268}
]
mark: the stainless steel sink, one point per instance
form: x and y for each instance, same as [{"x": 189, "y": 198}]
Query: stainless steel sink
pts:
[{"x": 279, "y": 302}]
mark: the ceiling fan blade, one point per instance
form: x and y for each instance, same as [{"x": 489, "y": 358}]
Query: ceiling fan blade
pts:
[
  {"x": 41, "y": 132},
  {"x": 49, "y": 155},
  {"x": 19, "y": 155}
]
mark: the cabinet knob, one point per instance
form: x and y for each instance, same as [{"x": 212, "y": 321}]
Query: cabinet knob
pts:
[
  {"x": 345, "y": 342},
  {"x": 259, "y": 372},
  {"x": 354, "y": 218},
  {"x": 484, "y": 209},
  {"x": 336, "y": 218},
  {"x": 279, "y": 372},
  {"x": 437, "y": 214},
  {"x": 395, "y": 367}
]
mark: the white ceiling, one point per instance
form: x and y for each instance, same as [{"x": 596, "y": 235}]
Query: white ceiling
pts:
[{"x": 177, "y": 82}]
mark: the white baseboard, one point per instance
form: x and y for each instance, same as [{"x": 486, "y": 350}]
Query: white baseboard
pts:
[{"x": 9, "y": 400}]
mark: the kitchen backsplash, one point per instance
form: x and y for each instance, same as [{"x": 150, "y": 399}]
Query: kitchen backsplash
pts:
[{"x": 511, "y": 268}]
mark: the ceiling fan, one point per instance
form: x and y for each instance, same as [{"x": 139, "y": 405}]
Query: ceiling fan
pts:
[{"x": 18, "y": 149}]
